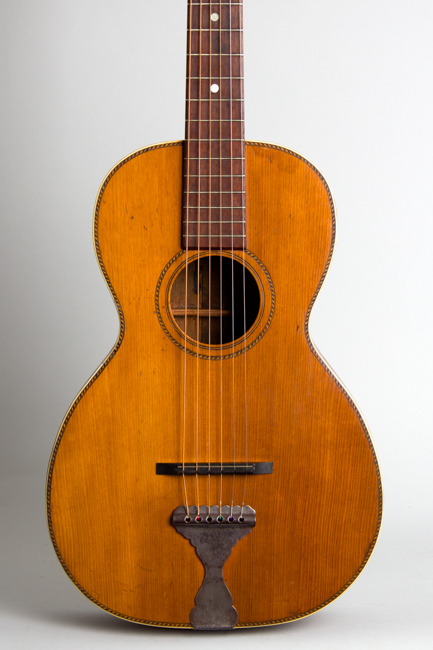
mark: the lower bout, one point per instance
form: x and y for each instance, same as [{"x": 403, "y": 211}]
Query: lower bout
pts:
[{"x": 127, "y": 557}]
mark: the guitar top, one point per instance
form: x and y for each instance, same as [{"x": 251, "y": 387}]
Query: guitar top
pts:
[{"x": 214, "y": 473}]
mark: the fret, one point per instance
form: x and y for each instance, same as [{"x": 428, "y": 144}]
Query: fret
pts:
[
  {"x": 217, "y": 121},
  {"x": 232, "y": 149},
  {"x": 237, "y": 210},
  {"x": 214, "y": 77},
  {"x": 215, "y": 163},
  {"x": 215, "y": 232},
  {"x": 214, "y": 54},
  {"x": 202, "y": 194},
  {"x": 215, "y": 227},
  {"x": 223, "y": 242},
  {"x": 215, "y": 207},
  {"x": 214, "y": 186},
  {"x": 214, "y": 175},
  {"x": 215, "y": 29},
  {"x": 233, "y": 218},
  {"x": 215, "y": 66},
  {"x": 238, "y": 228},
  {"x": 226, "y": 92},
  {"x": 215, "y": 166},
  {"x": 216, "y": 132},
  {"x": 211, "y": 110},
  {"x": 237, "y": 215},
  {"x": 230, "y": 222},
  {"x": 225, "y": 202},
  {"x": 214, "y": 43}
]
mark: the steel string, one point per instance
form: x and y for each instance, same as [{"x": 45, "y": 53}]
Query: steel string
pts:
[
  {"x": 210, "y": 258},
  {"x": 232, "y": 263},
  {"x": 185, "y": 358},
  {"x": 198, "y": 257},
  {"x": 241, "y": 74},
  {"x": 221, "y": 262}
]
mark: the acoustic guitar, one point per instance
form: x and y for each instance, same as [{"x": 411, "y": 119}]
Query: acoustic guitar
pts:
[{"x": 214, "y": 473}]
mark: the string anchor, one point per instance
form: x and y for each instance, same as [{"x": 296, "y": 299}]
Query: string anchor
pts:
[{"x": 213, "y": 540}]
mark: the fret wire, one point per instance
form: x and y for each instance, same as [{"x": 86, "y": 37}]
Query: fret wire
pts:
[
  {"x": 230, "y": 222},
  {"x": 214, "y": 77},
  {"x": 191, "y": 235},
  {"x": 214, "y": 207},
  {"x": 216, "y": 30},
  {"x": 214, "y": 175},
  {"x": 216, "y": 99},
  {"x": 207, "y": 54},
  {"x": 218, "y": 120}
]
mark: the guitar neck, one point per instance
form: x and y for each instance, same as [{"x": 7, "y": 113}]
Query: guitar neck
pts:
[{"x": 214, "y": 154}]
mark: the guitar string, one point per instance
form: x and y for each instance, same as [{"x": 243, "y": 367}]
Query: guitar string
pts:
[
  {"x": 200, "y": 36},
  {"x": 209, "y": 251},
  {"x": 232, "y": 261},
  {"x": 220, "y": 261},
  {"x": 209, "y": 269},
  {"x": 244, "y": 218},
  {"x": 185, "y": 358}
]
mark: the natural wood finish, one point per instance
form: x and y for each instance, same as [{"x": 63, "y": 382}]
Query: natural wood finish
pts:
[{"x": 318, "y": 514}]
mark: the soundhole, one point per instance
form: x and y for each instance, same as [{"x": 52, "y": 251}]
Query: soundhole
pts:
[{"x": 222, "y": 300}]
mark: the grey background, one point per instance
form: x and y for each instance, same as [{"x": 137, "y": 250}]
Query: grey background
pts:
[{"x": 348, "y": 84}]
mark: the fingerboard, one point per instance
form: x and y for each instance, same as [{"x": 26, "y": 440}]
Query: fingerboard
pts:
[{"x": 214, "y": 152}]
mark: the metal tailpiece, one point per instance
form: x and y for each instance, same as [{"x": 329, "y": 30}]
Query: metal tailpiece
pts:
[{"x": 213, "y": 532}]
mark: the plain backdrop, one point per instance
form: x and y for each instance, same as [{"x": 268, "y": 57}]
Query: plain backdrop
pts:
[{"x": 347, "y": 84}]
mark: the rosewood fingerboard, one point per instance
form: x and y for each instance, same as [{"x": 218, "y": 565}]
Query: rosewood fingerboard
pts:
[{"x": 214, "y": 152}]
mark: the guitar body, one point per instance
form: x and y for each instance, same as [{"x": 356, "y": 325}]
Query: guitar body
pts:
[{"x": 318, "y": 513}]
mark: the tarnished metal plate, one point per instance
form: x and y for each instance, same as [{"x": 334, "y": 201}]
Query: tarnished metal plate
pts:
[{"x": 213, "y": 532}]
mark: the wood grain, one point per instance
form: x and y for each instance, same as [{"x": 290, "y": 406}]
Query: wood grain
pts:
[{"x": 318, "y": 514}]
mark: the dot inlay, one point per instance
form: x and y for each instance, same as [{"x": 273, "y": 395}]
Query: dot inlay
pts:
[
  {"x": 214, "y": 88},
  {"x": 214, "y": 17}
]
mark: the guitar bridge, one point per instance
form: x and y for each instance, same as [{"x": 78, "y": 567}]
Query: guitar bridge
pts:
[{"x": 177, "y": 469}]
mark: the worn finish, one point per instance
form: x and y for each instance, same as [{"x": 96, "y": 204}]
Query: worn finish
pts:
[{"x": 318, "y": 513}]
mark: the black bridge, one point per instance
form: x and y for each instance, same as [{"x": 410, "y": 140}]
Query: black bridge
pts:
[{"x": 177, "y": 469}]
